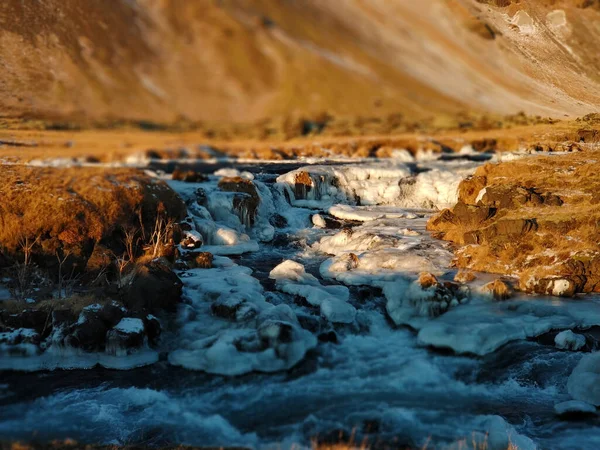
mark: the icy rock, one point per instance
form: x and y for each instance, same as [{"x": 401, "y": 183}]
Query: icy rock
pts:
[
  {"x": 126, "y": 337},
  {"x": 567, "y": 340},
  {"x": 191, "y": 240},
  {"x": 318, "y": 221},
  {"x": 234, "y": 307},
  {"x": 481, "y": 327},
  {"x": 574, "y": 409},
  {"x": 338, "y": 311},
  {"x": 584, "y": 381},
  {"x": 426, "y": 297},
  {"x": 278, "y": 343}
]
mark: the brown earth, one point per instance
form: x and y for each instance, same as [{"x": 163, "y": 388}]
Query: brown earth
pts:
[
  {"x": 240, "y": 61},
  {"x": 537, "y": 219}
]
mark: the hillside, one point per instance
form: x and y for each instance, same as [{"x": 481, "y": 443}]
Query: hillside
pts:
[{"x": 247, "y": 60}]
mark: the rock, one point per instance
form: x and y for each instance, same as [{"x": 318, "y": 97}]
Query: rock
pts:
[
  {"x": 559, "y": 287},
  {"x": 152, "y": 328},
  {"x": 303, "y": 184},
  {"x": 498, "y": 290},
  {"x": 338, "y": 311},
  {"x": 246, "y": 202},
  {"x": 88, "y": 334},
  {"x": 567, "y": 340},
  {"x": 154, "y": 287},
  {"x": 111, "y": 314},
  {"x": 189, "y": 176},
  {"x": 574, "y": 409},
  {"x": 465, "y": 276},
  {"x": 62, "y": 317}
]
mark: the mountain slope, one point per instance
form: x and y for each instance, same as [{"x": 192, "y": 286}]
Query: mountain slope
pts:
[{"x": 246, "y": 60}]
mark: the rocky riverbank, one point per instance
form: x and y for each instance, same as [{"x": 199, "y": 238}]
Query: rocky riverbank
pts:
[{"x": 534, "y": 219}]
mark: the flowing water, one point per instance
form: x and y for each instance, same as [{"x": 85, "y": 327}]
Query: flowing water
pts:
[{"x": 377, "y": 382}]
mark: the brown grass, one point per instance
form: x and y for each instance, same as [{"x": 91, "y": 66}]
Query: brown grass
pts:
[{"x": 68, "y": 211}]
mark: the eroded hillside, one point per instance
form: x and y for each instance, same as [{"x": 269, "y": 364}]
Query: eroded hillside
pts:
[{"x": 247, "y": 60}]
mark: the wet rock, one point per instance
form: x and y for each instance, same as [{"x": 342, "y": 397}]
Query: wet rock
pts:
[
  {"x": 152, "y": 328},
  {"x": 498, "y": 290},
  {"x": 278, "y": 221},
  {"x": 126, "y": 337},
  {"x": 189, "y": 176},
  {"x": 154, "y": 287}
]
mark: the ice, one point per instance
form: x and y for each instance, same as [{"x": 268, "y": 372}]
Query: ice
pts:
[
  {"x": 368, "y": 213},
  {"x": 321, "y": 186},
  {"x": 277, "y": 343},
  {"x": 338, "y": 311},
  {"x": 584, "y": 382},
  {"x": 231, "y": 173},
  {"x": 130, "y": 325},
  {"x": 68, "y": 358},
  {"x": 574, "y": 407},
  {"x": 567, "y": 340},
  {"x": 481, "y": 327},
  {"x": 255, "y": 335},
  {"x": 318, "y": 221},
  {"x": 291, "y": 278}
]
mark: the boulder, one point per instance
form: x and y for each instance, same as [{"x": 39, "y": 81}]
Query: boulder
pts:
[{"x": 154, "y": 287}]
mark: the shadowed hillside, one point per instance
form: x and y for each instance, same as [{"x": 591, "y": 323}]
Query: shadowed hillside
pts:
[{"x": 246, "y": 60}]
